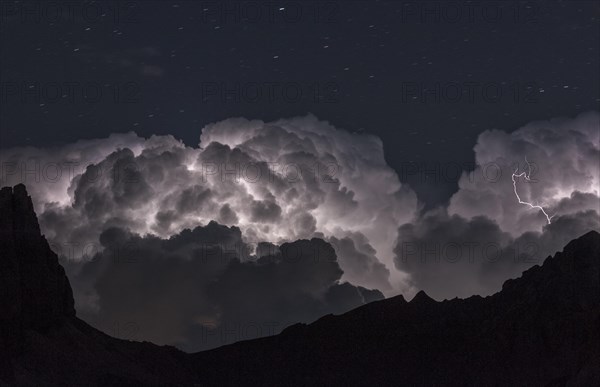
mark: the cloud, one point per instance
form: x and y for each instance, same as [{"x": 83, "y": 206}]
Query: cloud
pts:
[
  {"x": 451, "y": 256},
  {"x": 202, "y": 288},
  {"x": 485, "y": 235},
  {"x": 48, "y": 172},
  {"x": 564, "y": 156},
  {"x": 360, "y": 261},
  {"x": 295, "y": 182},
  {"x": 280, "y": 181}
]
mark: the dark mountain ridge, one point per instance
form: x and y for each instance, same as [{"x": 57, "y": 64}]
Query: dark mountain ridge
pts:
[
  {"x": 42, "y": 342},
  {"x": 542, "y": 329}
]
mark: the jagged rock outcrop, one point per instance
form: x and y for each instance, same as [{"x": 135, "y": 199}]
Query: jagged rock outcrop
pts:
[
  {"x": 36, "y": 293},
  {"x": 42, "y": 342}
]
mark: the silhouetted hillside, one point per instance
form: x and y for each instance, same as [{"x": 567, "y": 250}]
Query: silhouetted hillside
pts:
[
  {"x": 41, "y": 340},
  {"x": 540, "y": 330}
]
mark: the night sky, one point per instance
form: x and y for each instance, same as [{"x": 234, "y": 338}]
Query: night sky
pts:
[{"x": 171, "y": 67}]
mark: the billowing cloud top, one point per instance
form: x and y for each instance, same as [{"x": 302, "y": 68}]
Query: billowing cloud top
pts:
[
  {"x": 563, "y": 169},
  {"x": 277, "y": 181},
  {"x": 486, "y": 234}
]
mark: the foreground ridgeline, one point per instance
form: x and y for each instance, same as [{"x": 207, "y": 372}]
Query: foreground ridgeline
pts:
[
  {"x": 36, "y": 294},
  {"x": 42, "y": 341},
  {"x": 540, "y": 330}
]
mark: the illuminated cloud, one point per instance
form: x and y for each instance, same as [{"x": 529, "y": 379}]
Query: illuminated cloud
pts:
[
  {"x": 302, "y": 178},
  {"x": 564, "y": 156},
  {"x": 277, "y": 182},
  {"x": 486, "y": 235}
]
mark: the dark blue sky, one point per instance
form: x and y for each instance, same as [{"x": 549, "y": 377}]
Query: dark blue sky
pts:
[{"x": 426, "y": 77}]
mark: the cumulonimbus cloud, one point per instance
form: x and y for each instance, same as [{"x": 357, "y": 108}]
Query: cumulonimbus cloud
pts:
[
  {"x": 299, "y": 179},
  {"x": 278, "y": 182},
  {"x": 204, "y": 287},
  {"x": 563, "y": 156},
  {"x": 485, "y": 235}
]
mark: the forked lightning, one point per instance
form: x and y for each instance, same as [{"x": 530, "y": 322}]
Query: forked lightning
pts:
[{"x": 527, "y": 175}]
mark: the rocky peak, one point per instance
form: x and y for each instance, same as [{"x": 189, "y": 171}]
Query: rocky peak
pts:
[
  {"x": 570, "y": 276},
  {"x": 35, "y": 293},
  {"x": 421, "y": 298}
]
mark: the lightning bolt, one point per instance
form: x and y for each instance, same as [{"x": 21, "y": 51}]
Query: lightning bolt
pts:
[{"x": 526, "y": 175}]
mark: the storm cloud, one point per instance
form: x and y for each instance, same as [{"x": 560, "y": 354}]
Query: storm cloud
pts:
[
  {"x": 203, "y": 288},
  {"x": 207, "y": 230},
  {"x": 278, "y": 182},
  {"x": 485, "y": 235}
]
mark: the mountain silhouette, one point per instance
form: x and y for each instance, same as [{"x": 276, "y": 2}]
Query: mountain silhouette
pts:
[
  {"x": 42, "y": 341},
  {"x": 541, "y": 329}
]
